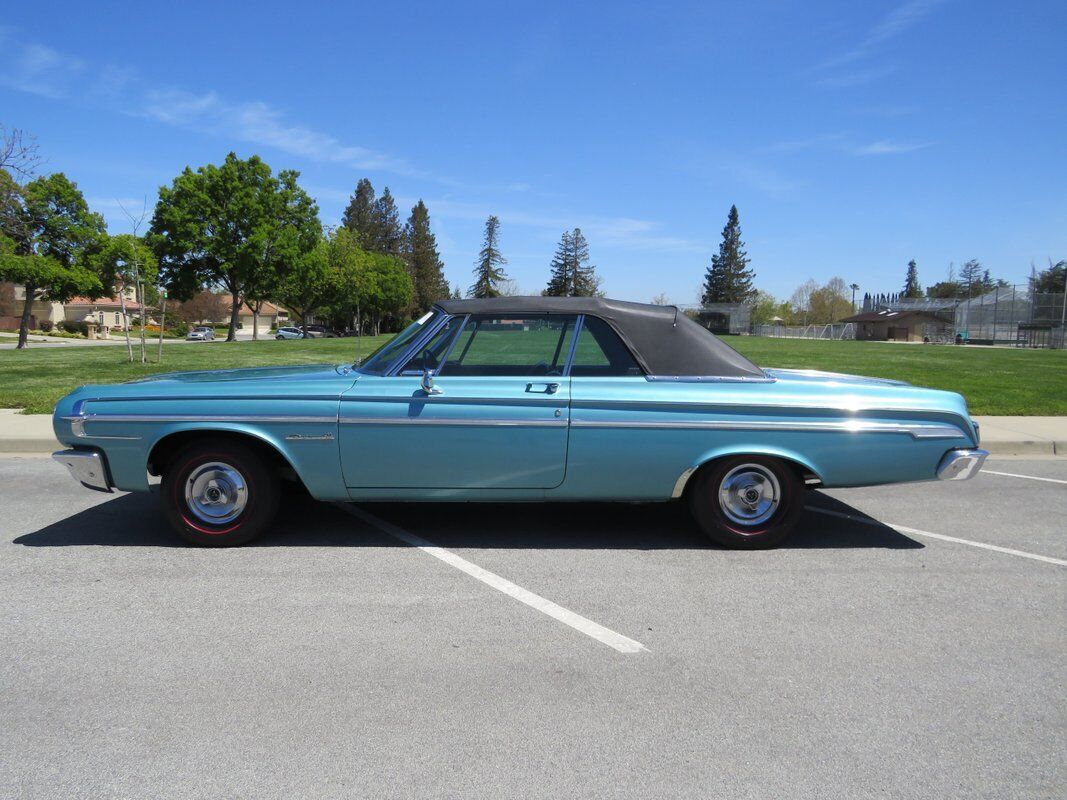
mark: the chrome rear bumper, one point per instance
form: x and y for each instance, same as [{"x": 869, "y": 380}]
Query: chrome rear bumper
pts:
[
  {"x": 88, "y": 467},
  {"x": 959, "y": 465}
]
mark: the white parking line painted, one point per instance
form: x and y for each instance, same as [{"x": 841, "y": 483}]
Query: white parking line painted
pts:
[
  {"x": 1017, "y": 475},
  {"x": 915, "y": 531},
  {"x": 604, "y": 635}
]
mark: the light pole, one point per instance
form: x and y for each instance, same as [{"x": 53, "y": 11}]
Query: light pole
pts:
[{"x": 854, "y": 287}]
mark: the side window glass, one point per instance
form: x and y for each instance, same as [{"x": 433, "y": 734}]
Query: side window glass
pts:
[
  {"x": 511, "y": 346},
  {"x": 430, "y": 355},
  {"x": 601, "y": 353}
]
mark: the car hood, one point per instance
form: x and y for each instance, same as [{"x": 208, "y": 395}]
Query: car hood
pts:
[{"x": 304, "y": 372}]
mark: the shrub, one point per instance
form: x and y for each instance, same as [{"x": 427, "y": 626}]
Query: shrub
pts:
[
  {"x": 75, "y": 327},
  {"x": 47, "y": 325}
]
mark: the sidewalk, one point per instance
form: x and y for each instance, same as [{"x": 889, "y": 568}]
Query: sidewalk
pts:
[{"x": 1003, "y": 436}]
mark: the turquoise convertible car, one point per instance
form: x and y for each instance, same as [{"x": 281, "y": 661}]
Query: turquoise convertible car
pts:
[{"x": 517, "y": 399}]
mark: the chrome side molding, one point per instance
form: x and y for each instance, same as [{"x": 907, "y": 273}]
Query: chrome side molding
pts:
[
  {"x": 88, "y": 467},
  {"x": 959, "y": 465}
]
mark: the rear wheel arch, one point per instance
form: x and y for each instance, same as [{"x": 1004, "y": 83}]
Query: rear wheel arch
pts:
[{"x": 804, "y": 471}]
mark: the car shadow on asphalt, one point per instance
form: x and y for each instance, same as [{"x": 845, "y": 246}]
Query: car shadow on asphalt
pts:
[{"x": 135, "y": 520}]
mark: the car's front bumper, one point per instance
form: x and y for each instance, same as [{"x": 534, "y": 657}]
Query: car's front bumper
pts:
[
  {"x": 88, "y": 467},
  {"x": 959, "y": 465}
]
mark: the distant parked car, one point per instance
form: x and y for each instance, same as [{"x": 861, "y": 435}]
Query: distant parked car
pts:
[
  {"x": 289, "y": 333},
  {"x": 320, "y": 332},
  {"x": 201, "y": 334}
]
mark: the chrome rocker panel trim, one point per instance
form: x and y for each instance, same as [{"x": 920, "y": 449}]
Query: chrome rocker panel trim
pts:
[
  {"x": 961, "y": 465},
  {"x": 87, "y": 467}
]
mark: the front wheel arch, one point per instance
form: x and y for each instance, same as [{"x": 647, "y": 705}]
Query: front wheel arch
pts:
[{"x": 164, "y": 450}]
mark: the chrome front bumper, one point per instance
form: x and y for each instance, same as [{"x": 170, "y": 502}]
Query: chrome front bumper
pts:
[
  {"x": 88, "y": 467},
  {"x": 959, "y": 465}
]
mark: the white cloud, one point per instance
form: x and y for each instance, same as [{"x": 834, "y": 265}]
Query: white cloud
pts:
[
  {"x": 890, "y": 26},
  {"x": 610, "y": 231},
  {"x": 38, "y": 69},
  {"x": 882, "y": 148}
]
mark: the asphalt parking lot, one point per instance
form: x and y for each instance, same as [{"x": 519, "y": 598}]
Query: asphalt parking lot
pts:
[{"x": 908, "y": 642}]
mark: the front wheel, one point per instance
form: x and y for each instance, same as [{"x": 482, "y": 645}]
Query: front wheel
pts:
[
  {"x": 219, "y": 495},
  {"x": 747, "y": 502}
]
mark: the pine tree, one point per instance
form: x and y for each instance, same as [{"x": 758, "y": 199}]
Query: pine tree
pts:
[
  {"x": 488, "y": 269},
  {"x": 585, "y": 282},
  {"x": 728, "y": 279},
  {"x": 423, "y": 261},
  {"x": 912, "y": 289},
  {"x": 559, "y": 284},
  {"x": 386, "y": 236},
  {"x": 456, "y": 293},
  {"x": 358, "y": 217},
  {"x": 971, "y": 277},
  {"x": 572, "y": 274}
]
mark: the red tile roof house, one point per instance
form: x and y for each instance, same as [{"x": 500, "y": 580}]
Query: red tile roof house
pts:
[{"x": 105, "y": 312}]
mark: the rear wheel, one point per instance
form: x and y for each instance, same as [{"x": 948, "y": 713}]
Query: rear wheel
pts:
[
  {"x": 747, "y": 502},
  {"x": 219, "y": 495}
]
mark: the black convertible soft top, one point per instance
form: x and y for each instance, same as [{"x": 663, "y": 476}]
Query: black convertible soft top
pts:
[{"x": 663, "y": 339}]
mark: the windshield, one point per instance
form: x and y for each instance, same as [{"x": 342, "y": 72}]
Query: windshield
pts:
[{"x": 380, "y": 360}]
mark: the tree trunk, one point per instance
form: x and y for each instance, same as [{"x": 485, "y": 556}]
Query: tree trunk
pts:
[
  {"x": 304, "y": 325},
  {"x": 140, "y": 302},
  {"x": 162, "y": 323},
  {"x": 24, "y": 325},
  {"x": 255, "y": 322},
  {"x": 231, "y": 335},
  {"x": 125, "y": 321}
]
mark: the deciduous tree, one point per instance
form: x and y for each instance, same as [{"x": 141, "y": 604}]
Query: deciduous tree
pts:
[
  {"x": 126, "y": 261},
  {"x": 235, "y": 226},
  {"x": 48, "y": 238}
]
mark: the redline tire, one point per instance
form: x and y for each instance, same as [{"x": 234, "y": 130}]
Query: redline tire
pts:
[
  {"x": 747, "y": 502},
  {"x": 228, "y": 470}
]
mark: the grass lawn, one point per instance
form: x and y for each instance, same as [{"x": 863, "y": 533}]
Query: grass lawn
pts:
[
  {"x": 35, "y": 378},
  {"x": 994, "y": 381}
]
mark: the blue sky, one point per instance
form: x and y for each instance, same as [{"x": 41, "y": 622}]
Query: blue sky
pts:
[{"x": 853, "y": 136}]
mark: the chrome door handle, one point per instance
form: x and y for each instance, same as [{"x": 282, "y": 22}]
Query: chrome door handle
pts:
[{"x": 546, "y": 388}]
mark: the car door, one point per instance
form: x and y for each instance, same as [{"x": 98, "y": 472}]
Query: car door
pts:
[{"x": 496, "y": 416}]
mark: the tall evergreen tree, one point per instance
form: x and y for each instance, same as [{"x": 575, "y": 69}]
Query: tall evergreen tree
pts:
[
  {"x": 572, "y": 274},
  {"x": 912, "y": 289},
  {"x": 971, "y": 278},
  {"x": 559, "y": 279},
  {"x": 386, "y": 235},
  {"x": 488, "y": 269},
  {"x": 424, "y": 262},
  {"x": 358, "y": 216},
  {"x": 728, "y": 279}
]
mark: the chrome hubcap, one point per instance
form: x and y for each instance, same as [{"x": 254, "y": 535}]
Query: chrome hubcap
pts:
[
  {"x": 749, "y": 494},
  {"x": 216, "y": 493}
]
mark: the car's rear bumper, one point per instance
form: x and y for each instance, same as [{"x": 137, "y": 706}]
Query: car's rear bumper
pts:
[
  {"x": 959, "y": 465},
  {"x": 88, "y": 467}
]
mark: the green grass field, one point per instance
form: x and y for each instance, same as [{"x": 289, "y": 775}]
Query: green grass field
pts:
[{"x": 994, "y": 381}]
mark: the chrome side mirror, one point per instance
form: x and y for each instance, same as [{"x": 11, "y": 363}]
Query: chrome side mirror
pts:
[{"x": 427, "y": 383}]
